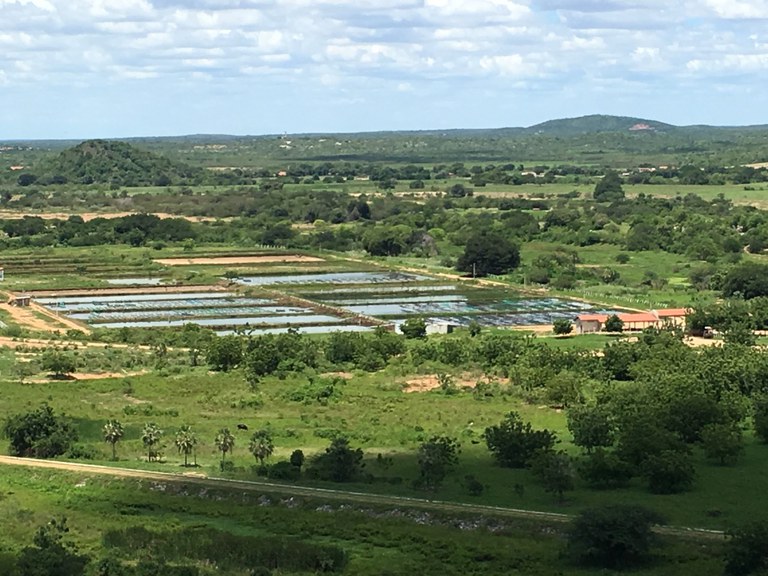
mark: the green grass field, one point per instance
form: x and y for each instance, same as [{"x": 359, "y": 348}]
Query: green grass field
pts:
[
  {"x": 377, "y": 542},
  {"x": 376, "y": 415}
]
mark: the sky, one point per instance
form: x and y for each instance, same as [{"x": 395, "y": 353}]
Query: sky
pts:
[{"x": 117, "y": 68}]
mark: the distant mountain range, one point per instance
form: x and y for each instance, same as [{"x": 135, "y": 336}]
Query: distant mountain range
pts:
[{"x": 591, "y": 124}]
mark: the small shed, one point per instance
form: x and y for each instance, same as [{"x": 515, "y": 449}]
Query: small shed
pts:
[
  {"x": 441, "y": 328},
  {"x": 589, "y": 323},
  {"x": 22, "y": 300}
]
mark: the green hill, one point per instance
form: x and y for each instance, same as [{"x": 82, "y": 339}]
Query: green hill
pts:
[
  {"x": 114, "y": 162},
  {"x": 598, "y": 123}
]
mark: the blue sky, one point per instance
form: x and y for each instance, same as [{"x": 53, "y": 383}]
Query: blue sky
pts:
[{"x": 118, "y": 68}]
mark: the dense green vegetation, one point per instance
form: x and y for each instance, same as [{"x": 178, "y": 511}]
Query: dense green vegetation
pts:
[{"x": 567, "y": 423}]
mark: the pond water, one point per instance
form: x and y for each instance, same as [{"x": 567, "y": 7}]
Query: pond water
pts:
[
  {"x": 308, "y": 319},
  {"x": 228, "y": 301},
  {"x": 327, "y": 329},
  {"x": 459, "y": 304},
  {"x": 195, "y": 313}
]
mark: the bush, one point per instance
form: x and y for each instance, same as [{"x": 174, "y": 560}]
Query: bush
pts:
[
  {"x": 669, "y": 472},
  {"x": 614, "y": 536},
  {"x": 39, "y": 434},
  {"x": 514, "y": 443},
  {"x": 747, "y": 550},
  {"x": 604, "y": 470}
]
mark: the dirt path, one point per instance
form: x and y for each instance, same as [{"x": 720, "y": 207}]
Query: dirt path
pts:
[
  {"x": 327, "y": 494},
  {"x": 287, "y": 258},
  {"x": 24, "y": 318}
]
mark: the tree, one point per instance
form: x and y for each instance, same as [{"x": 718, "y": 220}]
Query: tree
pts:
[
  {"x": 436, "y": 458},
  {"x": 602, "y": 469},
  {"x": 185, "y": 441},
  {"x": 591, "y": 426},
  {"x": 746, "y": 551},
  {"x": 488, "y": 252},
  {"x": 39, "y": 434},
  {"x": 150, "y": 437},
  {"x": 50, "y": 555},
  {"x": 616, "y": 536},
  {"x": 760, "y": 416},
  {"x": 722, "y": 442},
  {"x": 225, "y": 442},
  {"x": 669, "y": 472},
  {"x": 555, "y": 472},
  {"x": 614, "y": 324},
  {"x": 561, "y": 327},
  {"x": 113, "y": 433},
  {"x": 514, "y": 443},
  {"x": 414, "y": 327},
  {"x": 224, "y": 353},
  {"x": 261, "y": 445},
  {"x": 609, "y": 188},
  {"x": 339, "y": 463},
  {"x": 297, "y": 459},
  {"x": 740, "y": 333},
  {"x": 59, "y": 362},
  {"x": 747, "y": 280}
]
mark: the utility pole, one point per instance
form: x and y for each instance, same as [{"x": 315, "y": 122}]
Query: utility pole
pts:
[{"x": 474, "y": 269}]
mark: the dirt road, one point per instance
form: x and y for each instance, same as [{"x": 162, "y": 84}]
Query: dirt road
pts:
[{"x": 327, "y": 494}]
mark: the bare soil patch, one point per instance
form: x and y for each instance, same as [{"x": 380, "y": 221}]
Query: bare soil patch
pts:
[
  {"x": 431, "y": 382},
  {"x": 237, "y": 260},
  {"x": 87, "y": 216},
  {"x": 344, "y": 375}
]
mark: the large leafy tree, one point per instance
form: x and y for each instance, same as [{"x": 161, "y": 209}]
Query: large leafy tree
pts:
[
  {"x": 436, "y": 458},
  {"x": 614, "y": 536},
  {"x": 59, "y": 362},
  {"x": 514, "y": 443},
  {"x": 113, "y": 432},
  {"x": 39, "y": 434},
  {"x": 339, "y": 463},
  {"x": 488, "y": 252},
  {"x": 591, "y": 426},
  {"x": 609, "y": 188}
]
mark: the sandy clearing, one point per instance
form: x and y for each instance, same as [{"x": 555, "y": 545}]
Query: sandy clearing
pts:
[
  {"x": 88, "y": 216},
  {"x": 74, "y": 377},
  {"x": 237, "y": 260},
  {"x": 25, "y": 318},
  {"x": 432, "y": 382}
]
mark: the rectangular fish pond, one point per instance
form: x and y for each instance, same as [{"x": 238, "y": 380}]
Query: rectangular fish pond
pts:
[
  {"x": 221, "y": 311},
  {"x": 453, "y": 305}
]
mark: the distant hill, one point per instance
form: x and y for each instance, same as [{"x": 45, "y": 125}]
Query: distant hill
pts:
[
  {"x": 598, "y": 123},
  {"x": 114, "y": 162}
]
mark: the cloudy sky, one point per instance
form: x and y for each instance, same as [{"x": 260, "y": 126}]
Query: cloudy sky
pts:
[{"x": 112, "y": 68}]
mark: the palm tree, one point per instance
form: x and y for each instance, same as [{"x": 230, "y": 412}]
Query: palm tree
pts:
[
  {"x": 150, "y": 437},
  {"x": 113, "y": 433},
  {"x": 225, "y": 442},
  {"x": 186, "y": 440},
  {"x": 261, "y": 445}
]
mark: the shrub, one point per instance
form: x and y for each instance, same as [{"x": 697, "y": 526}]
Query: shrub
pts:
[{"x": 614, "y": 536}]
